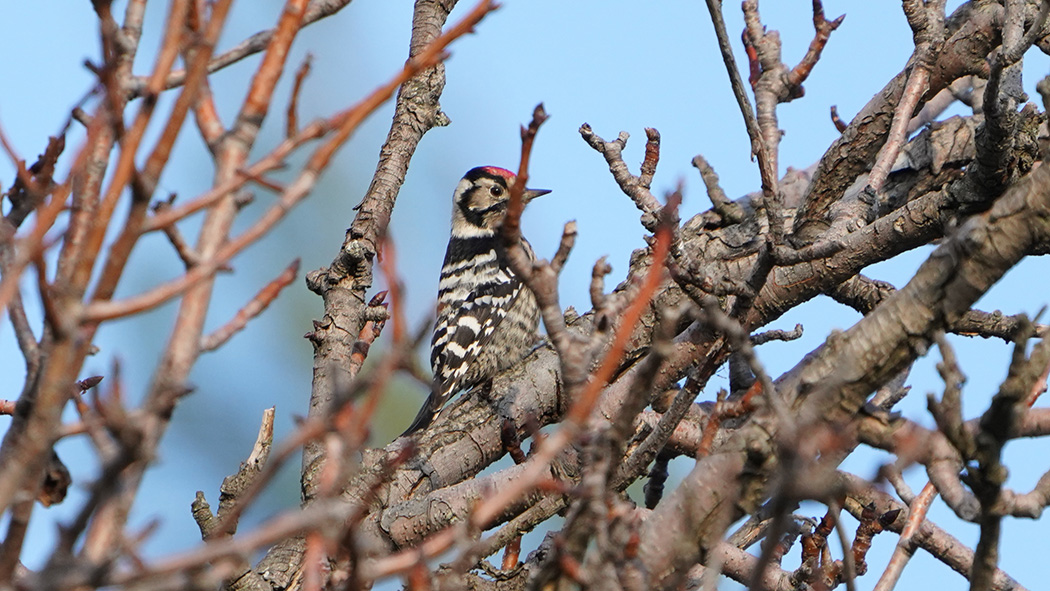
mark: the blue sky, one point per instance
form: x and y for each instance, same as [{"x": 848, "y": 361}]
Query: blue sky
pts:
[{"x": 615, "y": 64}]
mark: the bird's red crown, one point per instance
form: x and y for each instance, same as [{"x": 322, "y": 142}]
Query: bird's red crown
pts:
[{"x": 501, "y": 172}]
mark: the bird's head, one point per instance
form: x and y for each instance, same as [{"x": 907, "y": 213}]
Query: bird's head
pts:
[{"x": 480, "y": 201}]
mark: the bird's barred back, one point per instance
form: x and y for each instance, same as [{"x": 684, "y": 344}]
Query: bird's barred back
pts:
[{"x": 476, "y": 293}]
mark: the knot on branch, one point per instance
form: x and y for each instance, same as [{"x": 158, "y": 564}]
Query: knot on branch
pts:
[{"x": 354, "y": 262}]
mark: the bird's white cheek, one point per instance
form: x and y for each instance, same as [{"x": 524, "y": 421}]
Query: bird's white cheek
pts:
[{"x": 462, "y": 229}]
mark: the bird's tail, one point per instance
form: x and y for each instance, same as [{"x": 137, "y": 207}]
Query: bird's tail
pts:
[{"x": 425, "y": 415}]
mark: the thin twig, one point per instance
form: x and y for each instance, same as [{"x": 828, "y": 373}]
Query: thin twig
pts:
[
  {"x": 839, "y": 124},
  {"x": 189, "y": 257},
  {"x": 253, "y": 308},
  {"x": 250, "y": 46},
  {"x": 635, "y": 187},
  {"x": 292, "y": 124},
  {"x": 568, "y": 240},
  {"x": 730, "y": 211},
  {"x": 905, "y": 544},
  {"x": 348, "y": 121},
  {"x": 714, "y": 7}
]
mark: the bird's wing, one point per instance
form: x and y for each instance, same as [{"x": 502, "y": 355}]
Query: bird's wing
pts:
[{"x": 465, "y": 328}]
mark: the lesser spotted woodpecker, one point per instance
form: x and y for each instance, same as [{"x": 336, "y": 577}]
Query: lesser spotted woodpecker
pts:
[{"x": 486, "y": 317}]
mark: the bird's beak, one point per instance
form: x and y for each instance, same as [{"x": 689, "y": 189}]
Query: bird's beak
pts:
[{"x": 531, "y": 194}]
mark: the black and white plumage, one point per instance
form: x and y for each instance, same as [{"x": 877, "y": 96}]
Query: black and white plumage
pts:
[{"x": 487, "y": 318}]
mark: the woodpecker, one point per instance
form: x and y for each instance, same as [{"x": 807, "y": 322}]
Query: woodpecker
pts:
[{"x": 486, "y": 317}]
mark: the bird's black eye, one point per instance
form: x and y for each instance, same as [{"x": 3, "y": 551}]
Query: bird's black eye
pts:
[{"x": 496, "y": 190}]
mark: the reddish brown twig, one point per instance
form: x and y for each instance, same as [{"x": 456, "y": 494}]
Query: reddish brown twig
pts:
[
  {"x": 511, "y": 442},
  {"x": 823, "y": 28},
  {"x": 419, "y": 577},
  {"x": 124, "y": 170},
  {"x": 871, "y": 524},
  {"x": 31, "y": 246},
  {"x": 571, "y": 568},
  {"x": 819, "y": 569},
  {"x": 905, "y": 548},
  {"x": 584, "y": 402},
  {"x": 511, "y": 554},
  {"x": 839, "y": 124},
  {"x": 291, "y": 128},
  {"x": 51, "y": 311},
  {"x": 189, "y": 257},
  {"x": 21, "y": 172},
  {"x": 264, "y": 182},
  {"x": 388, "y": 265},
  {"x": 937, "y": 105},
  {"x": 652, "y": 157},
  {"x": 1039, "y": 386},
  {"x": 916, "y": 86},
  {"x": 351, "y": 119},
  {"x": 282, "y": 526},
  {"x": 406, "y": 559},
  {"x": 515, "y": 204},
  {"x": 297, "y": 191},
  {"x": 248, "y": 47},
  {"x": 358, "y": 418},
  {"x": 253, "y": 308},
  {"x": 14, "y": 538},
  {"x": 754, "y": 68},
  {"x": 369, "y": 333},
  {"x": 257, "y": 103},
  {"x": 312, "y": 558},
  {"x": 346, "y": 121},
  {"x": 31, "y": 185},
  {"x": 204, "y": 111},
  {"x": 267, "y": 163}
]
